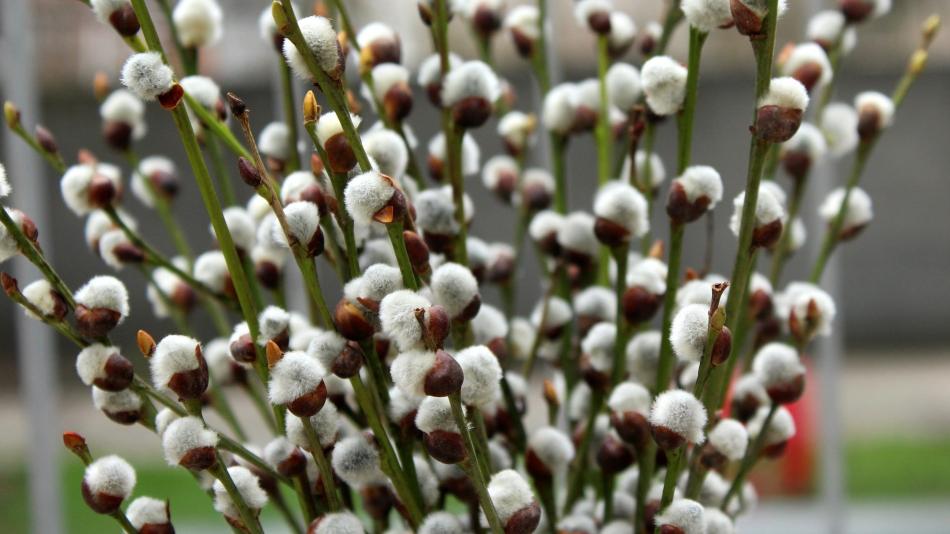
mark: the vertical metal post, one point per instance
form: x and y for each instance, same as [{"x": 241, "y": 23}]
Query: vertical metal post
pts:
[{"x": 36, "y": 350}]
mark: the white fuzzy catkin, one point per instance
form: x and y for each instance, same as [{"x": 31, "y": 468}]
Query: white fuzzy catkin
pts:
[
  {"x": 699, "y": 181},
  {"x": 108, "y": 244},
  {"x": 685, "y": 514},
  {"x": 630, "y": 397},
  {"x": 366, "y": 194},
  {"x": 146, "y": 75},
  {"x": 430, "y": 70},
  {"x": 489, "y": 324},
  {"x": 524, "y": 20},
  {"x": 294, "y": 185},
  {"x": 453, "y": 287},
  {"x": 729, "y": 438},
  {"x": 620, "y": 203},
  {"x": 558, "y": 314},
  {"x": 8, "y": 244},
  {"x": 777, "y": 364},
  {"x": 173, "y": 354},
  {"x": 748, "y": 386},
  {"x": 642, "y": 353},
  {"x": 649, "y": 274},
  {"x": 103, "y": 9},
  {"x": 409, "y": 371},
  {"x": 326, "y": 422},
  {"x": 198, "y": 22},
  {"x": 329, "y": 126},
  {"x": 339, "y": 523},
  {"x": 240, "y": 225},
  {"x": 807, "y": 140},
  {"x": 274, "y": 141},
  {"x": 680, "y": 412},
  {"x": 809, "y": 54},
  {"x": 110, "y": 475},
  {"x": 435, "y": 212},
  {"x": 124, "y": 107},
  {"x": 74, "y": 185},
  {"x": 516, "y": 128},
  {"x": 707, "y": 15},
  {"x": 577, "y": 234},
  {"x": 378, "y": 281},
  {"x": 584, "y": 9},
  {"x": 839, "y": 123},
  {"x": 623, "y": 86},
  {"x": 825, "y": 27},
  {"x": 768, "y": 209},
  {"x": 717, "y": 522},
  {"x": 598, "y": 346},
  {"x": 248, "y": 487},
  {"x": 320, "y": 36},
  {"x": 798, "y": 297},
  {"x": 858, "y": 213},
  {"x": 163, "y": 419},
  {"x": 471, "y": 153},
  {"x": 116, "y": 402},
  {"x": 559, "y": 108},
  {"x": 303, "y": 221},
  {"x": 878, "y": 103},
  {"x": 385, "y": 76},
  {"x": 105, "y": 292},
  {"x": 356, "y": 461},
  {"x": 140, "y": 182},
  {"x": 472, "y": 79},
  {"x": 398, "y": 318},
  {"x": 664, "y": 82},
  {"x": 510, "y": 493},
  {"x": 577, "y": 523},
  {"x": 147, "y": 511},
  {"x": 4, "y": 183},
  {"x": 781, "y": 428},
  {"x": 785, "y": 92},
  {"x": 435, "y": 413},
  {"x": 595, "y": 302},
  {"x": 91, "y": 362},
  {"x": 689, "y": 331},
  {"x": 389, "y": 151},
  {"x": 326, "y": 346},
  {"x": 183, "y": 435},
  {"x": 211, "y": 269},
  {"x": 553, "y": 447},
  {"x": 295, "y": 375},
  {"x": 496, "y": 167},
  {"x": 623, "y": 31},
  {"x": 41, "y": 295},
  {"x": 441, "y": 523},
  {"x": 544, "y": 224},
  {"x": 482, "y": 384}
]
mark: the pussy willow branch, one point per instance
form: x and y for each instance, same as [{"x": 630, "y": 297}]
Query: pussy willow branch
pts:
[
  {"x": 602, "y": 131},
  {"x": 34, "y": 256},
  {"x": 212, "y": 205},
  {"x": 470, "y": 465},
  {"x": 163, "y": 210},
  {"x": 751, "y": 456},
  {"x": 742, "y": 267},
  {"x": 915, "y": 66},
  {"x": 289, "y": 105}
]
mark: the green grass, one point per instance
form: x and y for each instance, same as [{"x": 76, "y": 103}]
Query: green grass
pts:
[
  {"x": 885, "y": 468},
  {"x": 899, "y": 468}
]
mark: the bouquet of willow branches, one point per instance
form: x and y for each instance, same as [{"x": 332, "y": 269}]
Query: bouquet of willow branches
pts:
[{"x": 402, "y": 405}]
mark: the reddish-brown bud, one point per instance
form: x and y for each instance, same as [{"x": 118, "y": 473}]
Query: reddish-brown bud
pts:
[
  {"x": 310, "y": 403},
  {"x": 76, "y": 444},
  {"x": 340, "y": 156},
  {"x": 639, "y": 305},
  {"x": 249, "y": 173},
  {"x": 777, "y": 124},
  {"x": 101, "y": 502},
  {"x": 471, "y": 112},
  {"x": 118, "y": 373},
  {"x": 856, "y": 10},
  {"x": 95, "y": 322},
  {"x": 397, "y": 102},
  {"x": 191, "y": 385},
  {"x": 243, "y": 349},
  {"x": 722, "y": 347},
  {"x": 198, "y": 459},
  {"x": 610, "y": 233},
  {"x": 614, "y": 456},
  {"x": 767, "y": 235},
  {"x": 351, "y": 322},
  {"x": 680, "y": 209},
  {"x": 445, "y": 377},
  {"x": 124, "y": 21},
  {"x": 666, "y": 438},
  {"x": 170, "y": 99},
  {"x": 632, "y": 427},
  {"x": 46, "y": 140},
  {"x": 446, "y": 447}
]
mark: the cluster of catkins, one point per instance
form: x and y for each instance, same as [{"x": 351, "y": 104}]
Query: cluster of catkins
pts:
[{"x": 415, "y": 404}]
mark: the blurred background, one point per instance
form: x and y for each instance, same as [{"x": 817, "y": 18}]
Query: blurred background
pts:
[{"x": 888, "y": 462}]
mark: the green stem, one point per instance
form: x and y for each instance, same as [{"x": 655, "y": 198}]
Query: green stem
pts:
[
  {"x": 453, "y": 143},
  {"x": 666, "y": 359},
  {"x": 673, "y": 460},
  {"x": 402, "y": 255},
  {"x": 745, "y": 254},
  {"x": 221, "y": 175},
  {"x": 782, "y": 252},
  {"x": 748, "y": 461},
  {"x": 687, "y": 116},
  {"x": 476, "y": 425},
  {"x": 619, "y": 368},
  {"x": 248, "y": 517},
  {"x": 323, "y": 465},
  {"x": 673, "y": 17},
  {"x": 183, "y": 55},
  {"x": 834, "y": 229},
  {"x": 471, "y": 466},
  {"x": 578, "y": 476},
  {"x": 124, "y": 522},
  {"x": 540, "y": 54},
  {"x": 546, "y": 493},
  {"x": 34, "y": 256},
  {"x": 290, "y": 113},
  {"x": 163, "y": 209},
  {"x": 646, "y": 457},
  {"x": 217, "y": 127}
]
